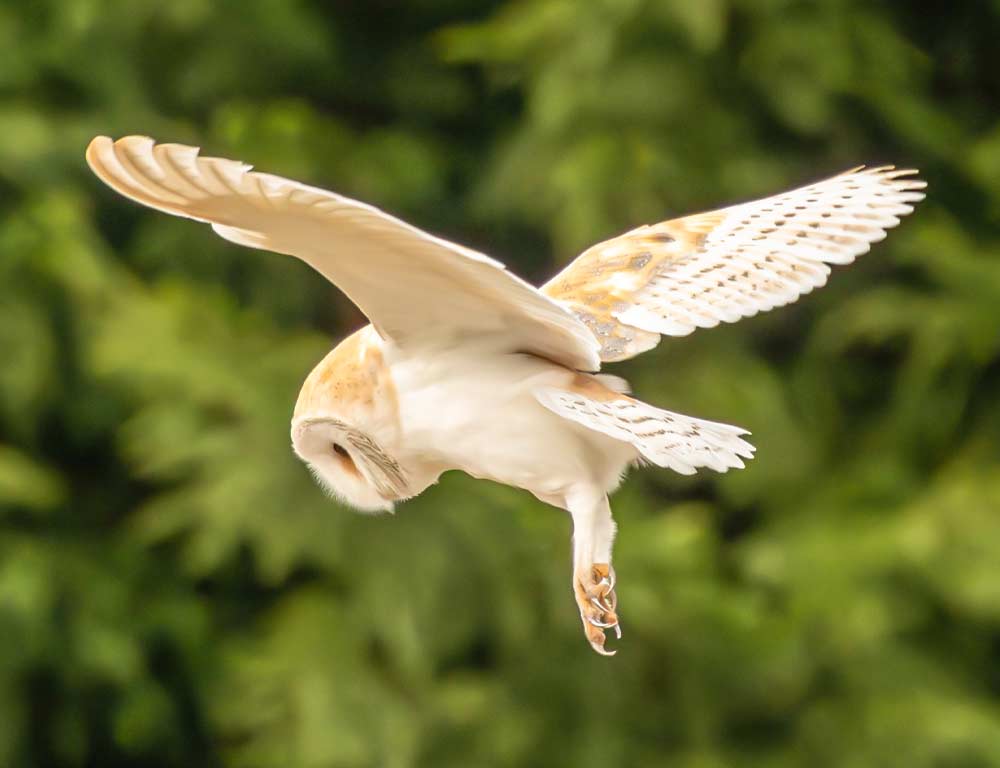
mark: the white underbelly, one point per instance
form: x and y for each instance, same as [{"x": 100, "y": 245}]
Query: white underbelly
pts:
[{"x": 480, "y": 416}]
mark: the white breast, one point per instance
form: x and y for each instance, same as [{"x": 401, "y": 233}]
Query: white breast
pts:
[{"x": 478, "y": 413}]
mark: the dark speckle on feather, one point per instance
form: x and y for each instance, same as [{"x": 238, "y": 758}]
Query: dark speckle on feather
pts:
[{"x": 640, "y": 260}]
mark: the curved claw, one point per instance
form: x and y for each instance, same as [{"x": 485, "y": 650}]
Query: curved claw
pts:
[
  {"x": 607, "y": 603},
  {"x": 602, "y": 625},
  {"x": 598, "y": 603},
  {"x": 602, "y": 607},
  {"x": 601, "y": 649},
  {"x": 595, "y": 637},
  {"x": 613, "y": 601}
]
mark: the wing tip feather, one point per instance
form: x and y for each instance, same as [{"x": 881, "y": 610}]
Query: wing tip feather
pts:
[{"x": 115, "y": 163}]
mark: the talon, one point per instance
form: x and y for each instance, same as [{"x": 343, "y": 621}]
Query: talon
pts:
[
  {"x": 596, "y": 639},
  {"x": 598, "y": 604},
  {"x": 602, "y": 625},
  {"x": 614, "y": 601},
  {"x": 602, "y": 650},
  {"x": 603, "y": 604}
]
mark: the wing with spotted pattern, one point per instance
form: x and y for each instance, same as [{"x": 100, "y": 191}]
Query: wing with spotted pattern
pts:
[{"x": 697, "y": 271}]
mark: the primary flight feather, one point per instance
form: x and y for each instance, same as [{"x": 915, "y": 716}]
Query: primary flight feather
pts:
[{"x": 466, "y": 366}]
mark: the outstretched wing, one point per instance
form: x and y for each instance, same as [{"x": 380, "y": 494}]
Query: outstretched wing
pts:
[
  {"x": 415, "y": 288},
  {"x": 700, "y": 270}
]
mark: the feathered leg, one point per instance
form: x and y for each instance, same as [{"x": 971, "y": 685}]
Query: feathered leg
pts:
[{"x": 593, "y": 576}]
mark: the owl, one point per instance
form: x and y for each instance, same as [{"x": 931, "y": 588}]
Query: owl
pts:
[{"x": 465, "y": 366}]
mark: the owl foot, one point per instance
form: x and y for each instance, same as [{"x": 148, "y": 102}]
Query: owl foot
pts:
[{"x": 595, "y": 595}]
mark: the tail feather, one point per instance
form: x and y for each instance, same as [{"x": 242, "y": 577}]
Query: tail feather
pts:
[{"x": 673, "y": 440}]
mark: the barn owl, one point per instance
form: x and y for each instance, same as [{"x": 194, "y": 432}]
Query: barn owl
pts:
[{"x": 465, "y": 366}]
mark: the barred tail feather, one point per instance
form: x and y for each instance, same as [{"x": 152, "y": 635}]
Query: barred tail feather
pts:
[{"x": 673, "y": 440}]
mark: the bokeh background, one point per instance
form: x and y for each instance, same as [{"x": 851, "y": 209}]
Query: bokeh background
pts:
[{"x": 175, "y": 591}]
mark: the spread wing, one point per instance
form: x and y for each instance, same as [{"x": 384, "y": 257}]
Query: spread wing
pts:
[
  {"x": 700, "y": 270},
  {"x": 415, "y": 288}
]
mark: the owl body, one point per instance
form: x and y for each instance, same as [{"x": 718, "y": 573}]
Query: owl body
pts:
[
  {"x": 466, "y": 366},
  {"x": 480, "y": 413},
  {"x": 449, "y": 406}
]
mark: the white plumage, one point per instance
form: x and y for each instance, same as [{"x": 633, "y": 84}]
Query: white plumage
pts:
[
  {"x": 767, "y": 253},
  {"x": 466, "y": 366},
  {"x": 673, "y": 440}
]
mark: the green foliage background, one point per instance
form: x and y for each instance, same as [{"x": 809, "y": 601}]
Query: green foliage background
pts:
[{"x": 174, "y": 591}]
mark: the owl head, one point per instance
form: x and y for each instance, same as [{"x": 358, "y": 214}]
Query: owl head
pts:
[
  {"x": 345, "y": 418},
  {"x": 348, "y": 463}
]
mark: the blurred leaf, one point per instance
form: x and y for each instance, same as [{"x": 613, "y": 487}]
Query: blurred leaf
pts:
[{"x": 24, "y": 483}]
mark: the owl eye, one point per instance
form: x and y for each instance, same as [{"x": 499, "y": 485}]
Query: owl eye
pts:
[{"x": 346, "y": 461}]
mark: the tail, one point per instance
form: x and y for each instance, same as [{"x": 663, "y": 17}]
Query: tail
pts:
[{"x": 681, "y": 443}]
